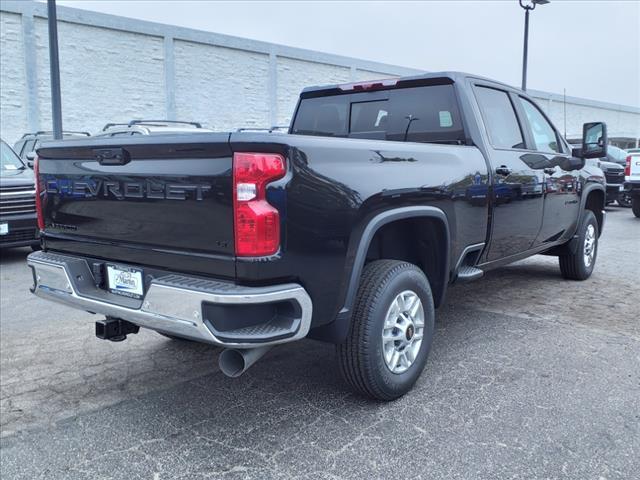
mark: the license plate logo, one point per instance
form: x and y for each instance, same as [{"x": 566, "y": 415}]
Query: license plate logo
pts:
[
  {"x": 4, "y": 228},
  {"x": 125, "y": 281}
]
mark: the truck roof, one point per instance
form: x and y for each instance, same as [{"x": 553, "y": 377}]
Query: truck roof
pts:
[{"x": 447, "y": 76}]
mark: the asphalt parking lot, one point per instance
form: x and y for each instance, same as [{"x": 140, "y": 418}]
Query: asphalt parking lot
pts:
[{"x": 530, "y": 376}]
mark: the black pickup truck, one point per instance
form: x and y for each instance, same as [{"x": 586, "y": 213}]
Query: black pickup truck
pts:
[{"x": 347, "y": 229}]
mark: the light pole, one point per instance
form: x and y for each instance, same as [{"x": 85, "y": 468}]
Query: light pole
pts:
[
  {"x": 54, "y": 65},
  {"x": 527, "y": 8}
]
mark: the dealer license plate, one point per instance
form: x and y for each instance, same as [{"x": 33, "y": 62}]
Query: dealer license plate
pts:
[{"x": 126, "y": 281}]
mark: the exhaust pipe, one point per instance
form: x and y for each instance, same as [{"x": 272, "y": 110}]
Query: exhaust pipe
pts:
[{"x": 233, "y": 362}]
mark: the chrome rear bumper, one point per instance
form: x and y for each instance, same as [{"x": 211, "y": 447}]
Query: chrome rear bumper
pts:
[{"x": 175, "y": 303}]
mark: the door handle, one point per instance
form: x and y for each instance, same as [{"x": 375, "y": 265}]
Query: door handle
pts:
[
  {"x": 503, "y": 170},
  {"x": 549, "y": 170}
]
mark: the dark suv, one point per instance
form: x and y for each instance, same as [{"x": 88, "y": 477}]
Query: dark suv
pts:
[
  {"x": 29, "y": 142},
  {"x": 613, "y": 173},
  {"x": 614, "y": 177},
  {"x": 18, "y": 224}
]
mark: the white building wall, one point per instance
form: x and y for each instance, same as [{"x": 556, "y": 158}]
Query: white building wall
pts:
[
  {"x": 294, "y": 75},
  {"x": 114, "y": 69},
  {"x": 221, "y": 87},
  {"x": 364, "y": 75},
  {"x": 619, "y": 123},
  {"x": 13, "y": 112},
  {"x": 106, "y": 75}
]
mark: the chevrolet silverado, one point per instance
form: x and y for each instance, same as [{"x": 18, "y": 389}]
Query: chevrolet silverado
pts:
[{"x": 347, "y": 229}]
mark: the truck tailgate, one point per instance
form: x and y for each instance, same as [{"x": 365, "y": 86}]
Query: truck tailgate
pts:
[
  {"x": 633, "y": 173},
  {"x": 145, "y": 200}
]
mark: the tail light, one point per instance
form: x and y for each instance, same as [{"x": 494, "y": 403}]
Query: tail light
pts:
[
  {"x": 39, "y": 213},
  {"x": 256, "y": 222},
  {"x": 627, "y": 167}
]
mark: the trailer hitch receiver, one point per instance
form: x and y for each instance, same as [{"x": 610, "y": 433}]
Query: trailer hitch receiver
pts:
[{"x": 115, "y": 329}]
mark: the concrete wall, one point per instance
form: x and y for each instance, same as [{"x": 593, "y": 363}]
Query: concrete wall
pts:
[
  {"x": 13, "y": 111},
  {"x": 114, "y": 69}
]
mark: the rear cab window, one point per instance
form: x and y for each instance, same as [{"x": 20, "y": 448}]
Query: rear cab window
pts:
[{"x": 427, "y": 114}]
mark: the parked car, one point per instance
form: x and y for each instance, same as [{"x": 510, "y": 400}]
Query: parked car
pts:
[
  {"x": 18, "y": 225},
  {"x": 632, "y": 181},
  {"x": 348, "y": 229},
  {"x": 30, "y": 142},
  {"x": 150, "y": 127}
]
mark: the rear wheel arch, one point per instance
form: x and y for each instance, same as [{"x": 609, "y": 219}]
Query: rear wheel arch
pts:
[{"x": 434, "y": 262}]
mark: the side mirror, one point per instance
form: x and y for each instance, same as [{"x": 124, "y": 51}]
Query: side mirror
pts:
[
  {"x": 594, "y": 140},
  {"x": 572, "y": 163}
]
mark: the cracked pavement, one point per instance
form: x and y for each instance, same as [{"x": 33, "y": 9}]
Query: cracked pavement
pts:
[{"x": 530, "y": 376}]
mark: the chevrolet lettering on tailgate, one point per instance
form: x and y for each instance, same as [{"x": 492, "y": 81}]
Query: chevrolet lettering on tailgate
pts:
[{"x": 128, "y": 189}]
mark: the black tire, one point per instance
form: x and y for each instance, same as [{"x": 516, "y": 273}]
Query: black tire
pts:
[
  {"x": 624, "y": 200},
  {"x": 360, "y": 356},
  {"x": 635, "y": 206},
  {"x": 574, "y": 266}
]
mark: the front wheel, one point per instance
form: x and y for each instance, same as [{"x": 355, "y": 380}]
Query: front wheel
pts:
[
  {"x": 391, "y": 330},
  {"x": 635, "y": 206},
  {"x": 579, "y": 265},
  {"x": 624, "y": 199}
]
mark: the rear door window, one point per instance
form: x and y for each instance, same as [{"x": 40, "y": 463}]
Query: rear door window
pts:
[
  {"x": 415, "y": 114},
  {"x": 499, "y": 118}
]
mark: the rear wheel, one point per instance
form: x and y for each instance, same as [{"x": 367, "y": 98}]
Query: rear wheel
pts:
[
  {"x": 391, "y": 330},
  {"x": 635, "y": 206},
  {"x": 579, "y": 265}
]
